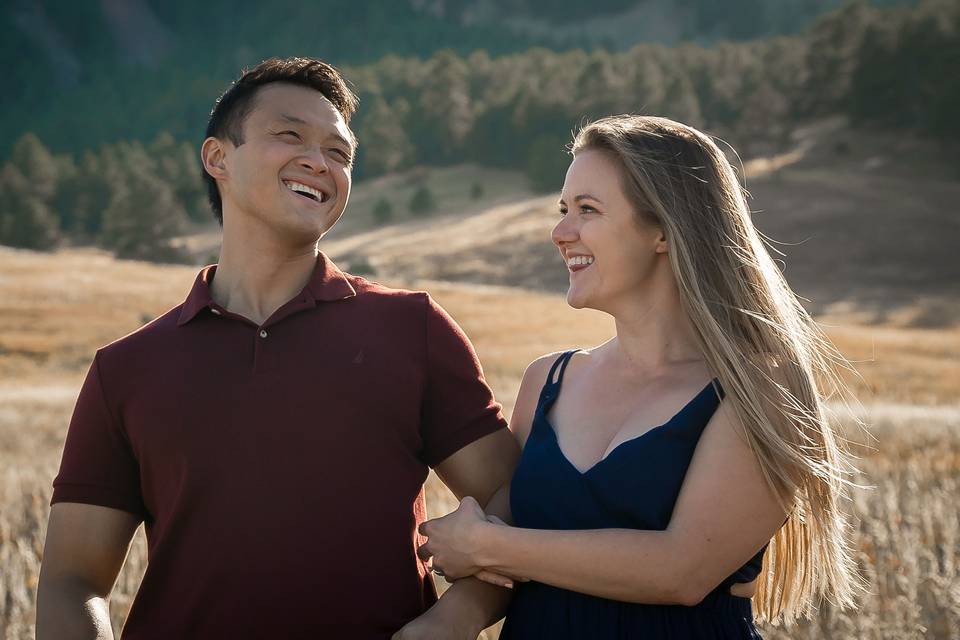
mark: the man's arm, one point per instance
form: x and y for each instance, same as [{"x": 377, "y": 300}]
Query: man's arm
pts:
[
  {"x": 484, "y": 470},
  {"x": 82, "y": 556},
  {"x": 458, "y": 399},
  {"x": 469, "y": 606},
  {"x": 481, "y": 470}
]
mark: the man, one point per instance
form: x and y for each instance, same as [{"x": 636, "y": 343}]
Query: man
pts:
[{"x": 274, "y": 431}]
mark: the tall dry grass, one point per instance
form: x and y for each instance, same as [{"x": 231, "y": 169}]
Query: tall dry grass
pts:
[{"x": 56, "y": 310}]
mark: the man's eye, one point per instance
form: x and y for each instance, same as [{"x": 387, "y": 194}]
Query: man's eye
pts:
[
  {"x": 586, "y": 208},
  {"x": 290, "y": 133},
  {"x": 562, "y": 212},
  {"x": 343, "y": 154}
]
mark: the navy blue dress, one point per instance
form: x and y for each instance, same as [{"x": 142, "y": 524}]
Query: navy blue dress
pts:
[{"x": 634, "y": 487}]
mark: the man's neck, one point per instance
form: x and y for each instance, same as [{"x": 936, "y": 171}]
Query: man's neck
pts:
[{"x": 255, "y": 276}]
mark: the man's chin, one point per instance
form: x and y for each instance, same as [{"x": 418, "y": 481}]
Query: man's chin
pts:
[
  {"x": 316, "y": 222},
  {"x": 329, "y": 224}
]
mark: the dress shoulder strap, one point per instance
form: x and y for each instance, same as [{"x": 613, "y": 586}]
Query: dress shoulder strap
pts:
[
  {"x": 550, "y": 386},
  {"x": 555, "y": 377}
]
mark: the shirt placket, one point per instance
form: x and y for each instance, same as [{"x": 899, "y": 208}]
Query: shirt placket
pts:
[{"x": 262, "y": 333}]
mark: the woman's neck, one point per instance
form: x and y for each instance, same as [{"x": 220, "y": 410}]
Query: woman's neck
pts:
[{"x": 655, "y": 334}]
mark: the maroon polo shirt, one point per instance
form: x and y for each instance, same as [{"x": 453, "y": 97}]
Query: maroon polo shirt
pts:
[{"x": 278, "y": 468}]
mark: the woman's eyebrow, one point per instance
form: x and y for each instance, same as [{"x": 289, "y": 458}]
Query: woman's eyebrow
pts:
[{"x": 587, "y": 196}]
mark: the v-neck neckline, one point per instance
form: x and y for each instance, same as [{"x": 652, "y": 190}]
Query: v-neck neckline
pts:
[{"x": 545, "y": 408}]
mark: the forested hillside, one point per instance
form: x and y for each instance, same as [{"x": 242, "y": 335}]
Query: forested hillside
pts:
[
  {"x": 890, "y": 67},
  {"x": 80, "y": 74}
]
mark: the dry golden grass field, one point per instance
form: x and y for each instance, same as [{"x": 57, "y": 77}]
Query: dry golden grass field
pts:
[
  {"x": 870, "y": 235},
  {"x": 56, "y": 309}
]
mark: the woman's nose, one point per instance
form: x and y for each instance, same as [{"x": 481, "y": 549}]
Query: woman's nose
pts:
[{"x": 564, "y": 231}]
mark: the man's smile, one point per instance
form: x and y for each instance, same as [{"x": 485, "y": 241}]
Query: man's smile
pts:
[{"x": 306, "y": 191}]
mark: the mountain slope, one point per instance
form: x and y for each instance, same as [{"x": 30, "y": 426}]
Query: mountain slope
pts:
[{"x": 867, "y": 225}]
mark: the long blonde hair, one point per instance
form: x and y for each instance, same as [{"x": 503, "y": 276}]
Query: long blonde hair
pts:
[{"x": 775, "y": 365}]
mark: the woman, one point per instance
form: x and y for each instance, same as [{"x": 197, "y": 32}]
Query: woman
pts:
[{"x": 628, "y": 530}]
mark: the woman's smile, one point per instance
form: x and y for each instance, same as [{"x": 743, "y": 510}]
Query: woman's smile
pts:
[{"x": 579, "y": 262}]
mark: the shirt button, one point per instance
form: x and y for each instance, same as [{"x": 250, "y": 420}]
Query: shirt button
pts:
[{"x": 263, "y": 333}]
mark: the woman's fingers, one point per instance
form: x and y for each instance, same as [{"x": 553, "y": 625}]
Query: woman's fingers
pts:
[
  {"x": 494, "y": 578},
  {"x": 423, "y": 551}
]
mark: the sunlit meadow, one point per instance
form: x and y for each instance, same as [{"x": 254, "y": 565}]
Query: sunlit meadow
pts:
[{"x": 57, "y": 309}]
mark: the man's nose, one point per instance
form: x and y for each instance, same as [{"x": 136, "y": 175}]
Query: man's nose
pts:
[{"x": 314, "y": 161}]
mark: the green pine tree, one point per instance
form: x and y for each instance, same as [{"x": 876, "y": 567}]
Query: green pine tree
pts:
[
  {"x": 37, "y": 165},
  {"x": 382, "y": 211},
  {"x": 422, "y": 202},
  {"x": 25, "y": 220},
  {"x": 142, "y": 218},
  {"x": 476, "y": 190}
]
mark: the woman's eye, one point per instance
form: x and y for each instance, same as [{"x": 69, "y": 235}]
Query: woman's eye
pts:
[
  {"x": 587, "y": 208},
  {"x": 290, "y": 133},
  {"x": 343, "y": 154},
  {"x": 562, "y": 212}
]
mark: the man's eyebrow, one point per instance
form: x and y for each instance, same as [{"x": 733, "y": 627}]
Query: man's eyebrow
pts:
[
  {"x": 336, "y": 136},
  {"x": 344, "y": 141},
  {"x": 289, "y": 118}
]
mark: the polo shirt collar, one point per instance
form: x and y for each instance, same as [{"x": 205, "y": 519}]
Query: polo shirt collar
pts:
[{"x": 326, "y": 284}]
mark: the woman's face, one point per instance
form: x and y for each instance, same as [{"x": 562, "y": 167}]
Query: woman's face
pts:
[{"x": 610, "y": 256}]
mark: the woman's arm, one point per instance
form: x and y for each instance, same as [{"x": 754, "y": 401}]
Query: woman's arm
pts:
[{"x": 724, "y": 514}]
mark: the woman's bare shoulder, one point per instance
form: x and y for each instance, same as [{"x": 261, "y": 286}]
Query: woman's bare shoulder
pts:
[{"x": 534, "y": 377}]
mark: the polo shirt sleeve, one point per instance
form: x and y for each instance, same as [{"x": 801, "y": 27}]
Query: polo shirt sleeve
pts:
[
  {"x": 458, "y": 405},
  {"x": 98, "y": 465}
]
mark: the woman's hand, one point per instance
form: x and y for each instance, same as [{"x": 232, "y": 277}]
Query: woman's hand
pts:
[
  {"x": 454, "y": 540},
  {"x": 498, "y": 579}
]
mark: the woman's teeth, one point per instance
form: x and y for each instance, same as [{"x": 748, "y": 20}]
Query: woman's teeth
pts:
[{"x": 579, "y": 260}]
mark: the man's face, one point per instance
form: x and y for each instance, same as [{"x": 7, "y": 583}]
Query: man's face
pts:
[{"x": 292, "y": 171}]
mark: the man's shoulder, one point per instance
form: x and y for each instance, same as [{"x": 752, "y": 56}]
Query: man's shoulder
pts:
[
  {"x": 374, "y": 293},
  {"x": 149, "y": 338}
]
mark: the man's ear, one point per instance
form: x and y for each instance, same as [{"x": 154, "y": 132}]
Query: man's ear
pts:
[{"x": 213, "y": 156}]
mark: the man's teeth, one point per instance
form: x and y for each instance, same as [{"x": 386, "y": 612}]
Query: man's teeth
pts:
[
  {"x": 296, "y": 186},
  {"x": 575, "y": 260}
]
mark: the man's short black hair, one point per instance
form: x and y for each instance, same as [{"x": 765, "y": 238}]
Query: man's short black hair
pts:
[{"x": 232, "y": 108}]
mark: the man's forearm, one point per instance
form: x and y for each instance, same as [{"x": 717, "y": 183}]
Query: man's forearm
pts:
[
  {"x": 470, "y": 599},
  {"x": 72, "y": 612},
  {"x": 487, "y": 602}
]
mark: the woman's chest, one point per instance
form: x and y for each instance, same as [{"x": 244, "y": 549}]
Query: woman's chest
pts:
[{"x": 591, "y": 418}]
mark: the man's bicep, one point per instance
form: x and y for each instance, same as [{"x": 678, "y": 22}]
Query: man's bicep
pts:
[
  {"x": 99, "y": 466},
  {"x": 87, "y": 543},
  {"x": 481, "y": 467}
]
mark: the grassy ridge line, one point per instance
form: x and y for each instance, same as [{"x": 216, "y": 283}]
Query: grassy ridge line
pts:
[{"x": 56, "y": 309}]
